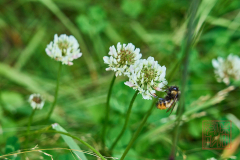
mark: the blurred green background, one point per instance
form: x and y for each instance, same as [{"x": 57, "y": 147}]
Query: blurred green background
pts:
[{"x": 157, "y": 28}]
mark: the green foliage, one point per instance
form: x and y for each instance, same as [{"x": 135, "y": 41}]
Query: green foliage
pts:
[
  {"x": 156, "y": 27},
  {"x": 132, "y": 8},
  {"x": 12, "y": 145},
  {"x": 94, "y": 22},
  {"x": 13, "y": 101}
]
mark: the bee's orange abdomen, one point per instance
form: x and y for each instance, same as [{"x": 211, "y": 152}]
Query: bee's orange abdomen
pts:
[{"x": 161, "y": 106}]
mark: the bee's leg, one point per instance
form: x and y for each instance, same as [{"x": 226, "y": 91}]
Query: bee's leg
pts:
[
  {"x": 164, "y": 102},
  {"x": 154, "y": 95},
  {"x": 159, "y": 104}
]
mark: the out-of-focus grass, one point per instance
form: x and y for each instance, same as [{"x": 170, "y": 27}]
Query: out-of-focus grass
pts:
[{"x": 156, "y": 27}]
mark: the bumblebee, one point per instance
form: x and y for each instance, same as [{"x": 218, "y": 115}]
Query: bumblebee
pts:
[{"x": 169, "y": 101}]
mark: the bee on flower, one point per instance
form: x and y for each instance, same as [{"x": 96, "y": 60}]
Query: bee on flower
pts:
[
  {"x": 64, "y": 48},
  {"x": 147, "y": 76},
  {"x": 36, "y": 101},
  {"x": 226, "y": 69},
  {"x": 120, "y": 59}
]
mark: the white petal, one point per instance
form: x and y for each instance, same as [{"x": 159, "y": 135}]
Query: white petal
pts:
[
  {"x": 106, "y": 59},
  {"x": 129, "y": 84},
  {"x": 215, "y": 63}
]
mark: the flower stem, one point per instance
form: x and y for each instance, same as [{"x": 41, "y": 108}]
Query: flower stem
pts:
[
  {"x": 56, "y": 93},
  {"x": 107, "y": 111},
  {"x": 29, "y": 124},
  {"x": 187, "y": 50},
  {"x": 138, "y": 130},
  {"x": 126, "y": 121}
]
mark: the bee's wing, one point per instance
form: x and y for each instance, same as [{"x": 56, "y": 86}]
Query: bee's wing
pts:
[{"x": 173, "y": 104}]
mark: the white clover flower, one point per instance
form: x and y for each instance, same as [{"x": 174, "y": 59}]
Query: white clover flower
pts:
[
  {"x": 36, "y": 101},
  {"x": 64, "y": 48},
  {"x": 121, "y": 59},
  {"x": 146, "y": 76},
  {"x": 226, "y": 69}
]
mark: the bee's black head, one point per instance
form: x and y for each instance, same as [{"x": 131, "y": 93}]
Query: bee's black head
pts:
[{"x": 174, "y": 88}]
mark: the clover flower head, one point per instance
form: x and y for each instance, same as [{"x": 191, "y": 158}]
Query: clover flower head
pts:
[
  {"x": 225, "y": 69},
  {"x": 147, "y": 76},
  {"x": 64, "y": 48},
  {"x": 36, "y": 101},
  {"x": 120, "y": 59}
]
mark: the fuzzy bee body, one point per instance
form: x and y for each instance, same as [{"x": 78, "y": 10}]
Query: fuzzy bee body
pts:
[
  {"x": 169, "y": 101},
  {"x": 164, "y": 104}
]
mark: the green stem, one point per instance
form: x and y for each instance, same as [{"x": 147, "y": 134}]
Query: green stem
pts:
[
  {"x": 189, "y": 37},
  {"x": 126, "y": 121},
  {"x": 1, "y": 101},
  {"x": 107, "y": 110},
  {"x": 138, "y": 130},
  {"x": 56, "y": 93},
  {"x": 29, "y": 124}
]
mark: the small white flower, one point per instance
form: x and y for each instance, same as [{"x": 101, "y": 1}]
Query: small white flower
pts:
[
  {"x": 120, "y": 59},
  {"x": 36, "y": 101},
  {"x": 147, "y": 76},
  {"x": 64, "y": 48},
  {"x": 212, "y": 158},
  {"x": 233, "y": 157},
  {"x": 54, "y": 125},
  {"x": 226, "y": 69}
]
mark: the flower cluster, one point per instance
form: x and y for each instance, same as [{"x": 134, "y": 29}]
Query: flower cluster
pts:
[
  {"x": 147, "y": 76},
  {"x": 121, "y": 58},
  {"x": 64, "y": 48},
  {"x": 36, "y": 101},
  {"x": 226, "y": 69}
]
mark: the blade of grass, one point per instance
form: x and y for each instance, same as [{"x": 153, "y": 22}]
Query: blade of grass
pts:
[
  {"x": 70, "y": 142},
  {"x": 186, "y": 54},
  {"x": 223, "y": 22},
  {"x": 98, "y": 45},
  {"x": 141, "y": 32},
  {"x": 113, "y": 34},
  {"x": 231, "y": 148},
  {"x": 29, "y": 50},
  {"x": 147, "y": 37},
  {"x": 204, "y": 9},
  {"x": 2, "y": 23}
]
